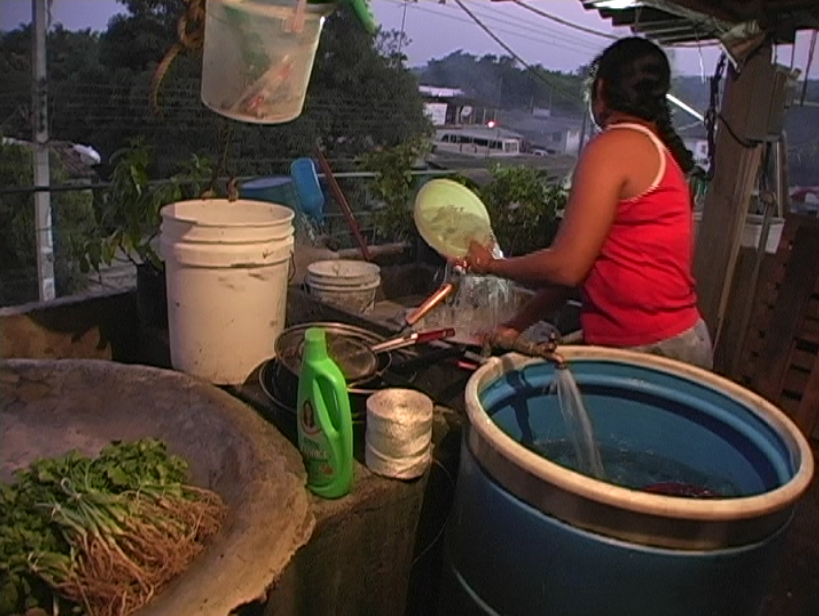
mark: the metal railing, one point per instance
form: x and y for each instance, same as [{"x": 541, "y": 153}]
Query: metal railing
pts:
[{"x": 19, "y": 283}]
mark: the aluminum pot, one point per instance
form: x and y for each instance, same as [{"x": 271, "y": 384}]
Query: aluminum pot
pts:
[{"x": 280, "y": 377}]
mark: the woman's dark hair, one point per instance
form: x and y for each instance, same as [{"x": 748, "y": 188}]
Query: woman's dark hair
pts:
[{"x": 636, "y": 76}]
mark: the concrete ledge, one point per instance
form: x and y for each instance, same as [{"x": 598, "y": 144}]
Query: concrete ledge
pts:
[{"x": 100, "y": 326}]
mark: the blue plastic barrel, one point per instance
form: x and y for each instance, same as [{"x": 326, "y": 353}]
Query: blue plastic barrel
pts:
[
  {"x": 530, "y": 535},
  {"x": 274, "y": 189}
]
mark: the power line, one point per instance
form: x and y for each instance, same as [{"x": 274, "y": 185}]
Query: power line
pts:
[
  {"x": 600, "y": 33},
  {"x": 565, "y": 22},
  {"x": 557, "y": 88},
  {"x": 515, "y": 33},
  {"x": 527, "y": 24}
]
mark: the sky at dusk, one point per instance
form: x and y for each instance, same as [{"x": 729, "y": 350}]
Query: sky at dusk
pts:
[{"x": 438, "y": 29}]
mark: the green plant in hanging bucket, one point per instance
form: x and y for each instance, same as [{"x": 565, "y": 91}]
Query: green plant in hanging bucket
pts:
[
  {"x": 130, "y": 218},
  {"x": 128, "y": 225}
]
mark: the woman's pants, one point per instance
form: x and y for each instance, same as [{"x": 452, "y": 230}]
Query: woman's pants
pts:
[{"x": 693, "y": 346}]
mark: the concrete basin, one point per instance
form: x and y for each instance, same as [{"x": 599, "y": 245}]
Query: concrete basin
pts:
[{"x": 48, "y": 407}]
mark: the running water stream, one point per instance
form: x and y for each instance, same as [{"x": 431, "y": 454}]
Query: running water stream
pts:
[
  {"x": 478, "y": 306},
  {"x": 579, "y": 429}
]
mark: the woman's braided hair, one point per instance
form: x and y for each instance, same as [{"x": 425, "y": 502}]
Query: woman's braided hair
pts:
[{"x": 636, "y": 77}]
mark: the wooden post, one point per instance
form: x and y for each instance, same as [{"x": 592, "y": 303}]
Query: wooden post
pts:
[{"x": 726, "y": 203}]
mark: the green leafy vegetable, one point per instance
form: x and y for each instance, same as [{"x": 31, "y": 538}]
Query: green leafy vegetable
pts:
[{"x": 100, "y": 536}]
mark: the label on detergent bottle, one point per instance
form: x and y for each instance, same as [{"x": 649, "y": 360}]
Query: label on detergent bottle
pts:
[{"x": 314, "y": 447}]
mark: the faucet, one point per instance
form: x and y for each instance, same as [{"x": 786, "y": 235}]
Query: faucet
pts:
[{"x": 517, "y": 344}]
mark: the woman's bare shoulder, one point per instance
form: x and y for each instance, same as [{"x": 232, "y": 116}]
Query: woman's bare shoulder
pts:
[
  {"x": 617, "y": 139},
  {"x": 620, "y": 149}
]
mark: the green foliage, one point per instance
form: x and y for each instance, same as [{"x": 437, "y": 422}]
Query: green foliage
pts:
[
  {"x": 361, "y": 95},
  {"x": 75, "y": 72},
  {"x": 466, "y": 181},
  {"x": 72, "y": 217},
  {"x": 523, "y": 203},
  {"x": 394, "y": 187},
  {"x": 130, "y": 218},
  {"x": 37, "y": 551}
]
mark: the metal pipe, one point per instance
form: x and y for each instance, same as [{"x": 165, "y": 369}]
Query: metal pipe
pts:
[
  {"x": 42, "y": 173},
  {"x": 341, "y": 200},
  {"x": 770, "y": 203},
  {"x": 431, "y": 302}
]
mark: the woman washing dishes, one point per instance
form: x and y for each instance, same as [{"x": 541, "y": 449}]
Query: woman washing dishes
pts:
[{"x": 627, "y": 237}]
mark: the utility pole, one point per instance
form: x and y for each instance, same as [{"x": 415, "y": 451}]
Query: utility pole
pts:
[
  {"x": 583, "y": 129},
  {"x": 42, "y": 170}
]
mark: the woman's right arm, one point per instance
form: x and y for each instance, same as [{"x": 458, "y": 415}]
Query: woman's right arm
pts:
[{"x": 546, "y": 300}]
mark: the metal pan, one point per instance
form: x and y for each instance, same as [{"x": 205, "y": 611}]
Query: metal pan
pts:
[
  {"x": 279, "y": 377},
  {"x": 359, "y": 359},
  {"x": 340, "y": 338}
]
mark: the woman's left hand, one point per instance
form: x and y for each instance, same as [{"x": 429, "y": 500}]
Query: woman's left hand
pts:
[{"x": 479, "y": 258}]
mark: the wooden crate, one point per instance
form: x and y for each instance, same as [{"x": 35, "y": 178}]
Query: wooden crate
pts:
[{"x": 780, "y": 360}]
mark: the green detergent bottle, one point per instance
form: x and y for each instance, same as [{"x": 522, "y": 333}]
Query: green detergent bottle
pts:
[{"x": 325, "y": 424}]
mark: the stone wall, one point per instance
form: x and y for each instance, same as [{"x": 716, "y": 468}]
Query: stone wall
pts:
[{"x": 100, "y": 326}]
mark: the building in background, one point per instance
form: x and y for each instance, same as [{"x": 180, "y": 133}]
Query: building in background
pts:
[
  {"x": 78, "y": 161},
  {"x": 452, "y": 107},
  {"x": 544, "y": 133},
  {"x": 695, "y": 138}
]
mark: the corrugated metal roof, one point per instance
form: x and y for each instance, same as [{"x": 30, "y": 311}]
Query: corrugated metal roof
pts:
[{"x": 671, "y": 22}]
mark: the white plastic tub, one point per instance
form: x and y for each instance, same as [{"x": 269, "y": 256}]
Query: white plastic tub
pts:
[{"x": 347, "y": 284}]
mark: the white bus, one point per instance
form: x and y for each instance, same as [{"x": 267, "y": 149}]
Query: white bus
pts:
[{"x": 477, "y": 141}]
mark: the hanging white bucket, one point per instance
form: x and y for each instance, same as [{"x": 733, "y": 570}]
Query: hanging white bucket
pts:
[
  {"x": 227, "y": 266},
  {"x": 347, "y": 284},
  {"x": 258, "y": 57}
]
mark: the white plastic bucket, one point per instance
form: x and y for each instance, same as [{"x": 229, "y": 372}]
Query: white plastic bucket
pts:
[
  {"x": 752, "y": 231},
  {"x": 347, "y": 284},
  {"x": 227, "y": 268},
  {"x": 258, "y": 57}
]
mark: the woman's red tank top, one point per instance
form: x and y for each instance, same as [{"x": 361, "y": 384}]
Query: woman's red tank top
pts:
[{"x": 641, "y": 289}]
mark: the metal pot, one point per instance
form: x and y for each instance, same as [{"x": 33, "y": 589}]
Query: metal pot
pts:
[{"x": 280, "y": 377}]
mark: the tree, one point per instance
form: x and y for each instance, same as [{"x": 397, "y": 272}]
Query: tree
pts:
[
  {"x": 72, "y": 218},
  {"x": 138, "y": 39},
  {"x": 76, "y": 84},
  {"x": 359, "y": 98},
  {"x": 501, "y": 81},
  {"x": 360, "y": 94}
]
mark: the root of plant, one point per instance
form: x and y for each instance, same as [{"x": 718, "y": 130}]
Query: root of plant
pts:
[
  {"x": 101, "y": 539},
  {"x": 119, "y": 573}
]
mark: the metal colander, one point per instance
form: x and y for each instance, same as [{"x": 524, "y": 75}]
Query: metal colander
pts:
[{"x": 354, "y": 357}]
